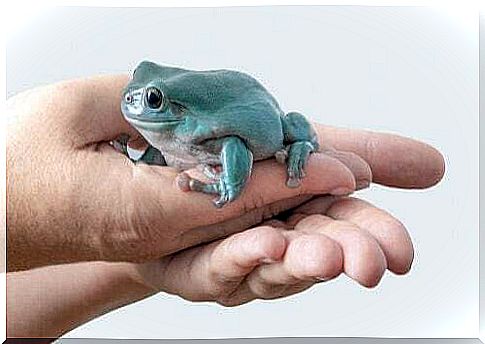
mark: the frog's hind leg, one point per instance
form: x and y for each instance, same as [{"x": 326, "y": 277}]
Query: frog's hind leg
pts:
[
  {"x": 300, "y": 140},
  {"x": 211, "y": 172},
  {"x": 237, "y": 162},
  {"x": 187, "y": 183}
]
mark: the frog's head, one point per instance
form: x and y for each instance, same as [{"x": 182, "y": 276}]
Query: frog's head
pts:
[{"x": 145, "y": 103}]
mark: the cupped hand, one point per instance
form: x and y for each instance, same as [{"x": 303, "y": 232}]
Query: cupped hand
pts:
[
  {"x": 321, "y": 239},
  {"x": 72, "y": 197}
]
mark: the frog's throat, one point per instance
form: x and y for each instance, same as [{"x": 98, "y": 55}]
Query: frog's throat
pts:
[{"x": 154, "y": 126}]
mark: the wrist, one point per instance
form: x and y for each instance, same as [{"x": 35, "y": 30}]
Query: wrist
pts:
[
  {"x": 69, "y": 294},
  {"x": 124, "y": 281}
]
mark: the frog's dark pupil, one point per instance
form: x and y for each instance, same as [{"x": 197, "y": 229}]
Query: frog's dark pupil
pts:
[{"x": 154, "y": 98}]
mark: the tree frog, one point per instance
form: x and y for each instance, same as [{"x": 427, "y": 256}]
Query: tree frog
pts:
[{"x": 223, "y": 120}]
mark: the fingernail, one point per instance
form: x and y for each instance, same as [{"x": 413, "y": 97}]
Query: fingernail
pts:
[
  {"x": 362, "y": 184},
  {"x": 340, "y": 191}
]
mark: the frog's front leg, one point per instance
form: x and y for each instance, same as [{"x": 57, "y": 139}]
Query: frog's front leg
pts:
[
  {"x": 237, "y": 162},
  {"x": 300, "y": 140},
  {"x": 149, "y": 154}
]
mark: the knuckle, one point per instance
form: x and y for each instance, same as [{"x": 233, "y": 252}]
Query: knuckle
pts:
[{"x": 371, "y": 144}]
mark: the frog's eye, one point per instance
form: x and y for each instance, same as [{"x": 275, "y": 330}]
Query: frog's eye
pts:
[
  {"x": 154, "y": 98},
  {"x": 128, "y": 98}
]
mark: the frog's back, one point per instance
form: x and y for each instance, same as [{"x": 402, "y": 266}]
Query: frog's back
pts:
[
  {"x": 232, "y": 104},
  {"x": 208, "y": 90},
  {"x": 229, "y": 102},
  {"x": 147, "y": 71},
  {"x": 216, "y": 89}
]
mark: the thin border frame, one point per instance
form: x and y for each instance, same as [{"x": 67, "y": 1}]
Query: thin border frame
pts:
[{"x": 346, "y": 340}]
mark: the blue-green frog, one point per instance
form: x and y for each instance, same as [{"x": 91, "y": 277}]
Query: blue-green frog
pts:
[{"x": 222, "y": 120}]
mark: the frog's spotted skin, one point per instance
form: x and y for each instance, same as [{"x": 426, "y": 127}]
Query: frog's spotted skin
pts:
[{"x": 211, "y": 118}]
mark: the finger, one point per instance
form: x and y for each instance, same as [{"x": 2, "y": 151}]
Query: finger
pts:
[
  {"x": 244, "y": 293},
  {"x": 148, "y": 185},
  {"x": 325, "y": 175},
  {"x": 359, "y": 167},
  {"x": 394, "y": 160},
  {"x": 364, "y": 260},
  {"x": 221, "y": 266},
  {"x": 140, "y": 221},
  {"x": 309, "y": 258},
  {"x": 238, "y": 255},
  {"x": 89, "y": 112},
  {"x": 389, "y": 232}
]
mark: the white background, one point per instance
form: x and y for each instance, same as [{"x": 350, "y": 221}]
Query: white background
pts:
[{"x": 412, "y": 71}]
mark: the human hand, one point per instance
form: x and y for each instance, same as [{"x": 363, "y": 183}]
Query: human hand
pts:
[
  {"x": 320, "y": 240},
  {"x": 315, "y": 243},
  {"x": 72, "y": 197}
]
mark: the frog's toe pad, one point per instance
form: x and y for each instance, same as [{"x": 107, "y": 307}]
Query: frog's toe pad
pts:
[
  {"x": 219, "y": 202},
  {"x": 281, "y": 156},
  {"x": 228, "y": 193},
  {"x": 293, "y": 182}
]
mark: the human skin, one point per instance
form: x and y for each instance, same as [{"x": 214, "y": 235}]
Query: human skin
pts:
[
  {"x": 320, "y": 240},
  {"x": 71, "y": 197}
]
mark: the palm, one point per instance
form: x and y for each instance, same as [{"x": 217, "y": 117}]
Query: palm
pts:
[{"x": 319, "y": 241}]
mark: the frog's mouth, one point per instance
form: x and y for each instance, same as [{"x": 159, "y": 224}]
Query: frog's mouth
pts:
[{"x": 153, "y": 123}]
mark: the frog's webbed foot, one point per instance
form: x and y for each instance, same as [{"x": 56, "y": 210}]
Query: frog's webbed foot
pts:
[
  {"x": 297, "y": 158},
  {"x": 236, "y": 160},
  {"x": 187, "y": 183},
  {"x": 301, "y": 140},
  {"x": 227, "y": 192}
]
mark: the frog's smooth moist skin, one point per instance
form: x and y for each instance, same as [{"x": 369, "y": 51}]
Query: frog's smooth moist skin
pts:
[{"x": 212, "y": 118}]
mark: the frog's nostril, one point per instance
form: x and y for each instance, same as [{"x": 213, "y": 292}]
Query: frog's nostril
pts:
[{"x": 128, "y": 98}]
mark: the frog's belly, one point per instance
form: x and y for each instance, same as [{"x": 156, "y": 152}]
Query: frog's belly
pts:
[
  {"x": 184, "y": 160},
  {"x": 182, "y": 155}
]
